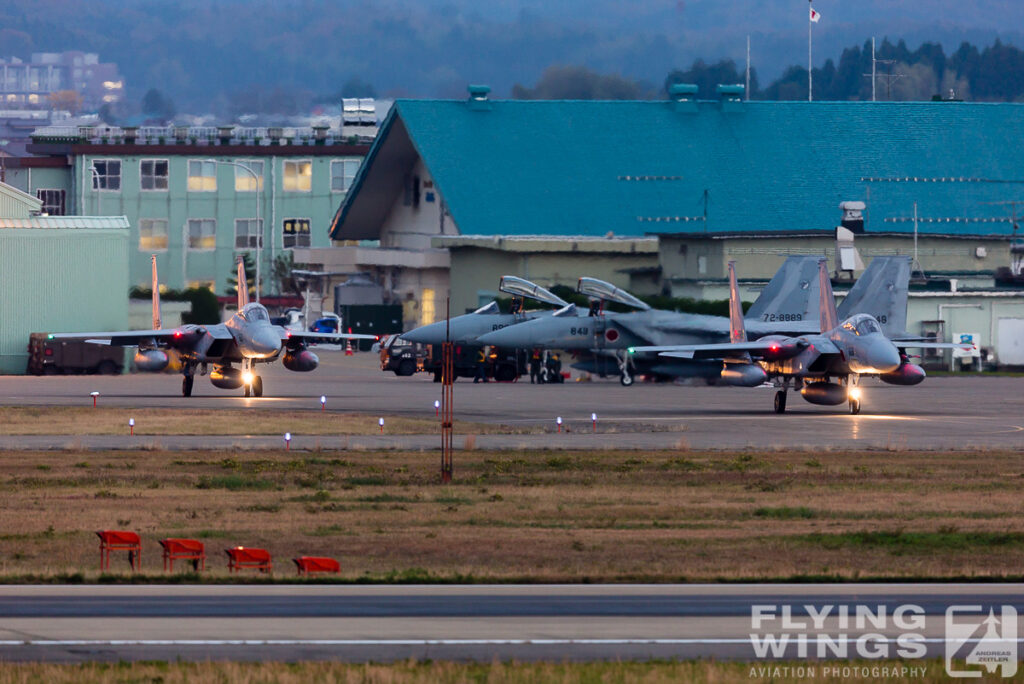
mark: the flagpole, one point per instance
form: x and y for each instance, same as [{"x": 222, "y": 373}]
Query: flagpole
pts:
[{"x": 810, "y": 82}]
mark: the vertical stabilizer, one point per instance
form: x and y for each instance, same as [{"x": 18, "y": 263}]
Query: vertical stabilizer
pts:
[
  {"x": 791, "y": 294},
  {"x": 882, "y": 292},
  {"x": 829, "y": 315},
  {"x": 243, "y": 286},
  {"x": 157, "y": 319},
  {"x": 737, "y": 331}
]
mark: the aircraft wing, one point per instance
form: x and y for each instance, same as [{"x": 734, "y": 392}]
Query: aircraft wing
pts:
[
  {"x": 131, "y": 338},
  {"x": 704, "y": 351},
  {"x": 121, "y": 338},
  {"x": 757, "y": 348},
  {"x": 911, "y": 344},
  {"x": 324, "y": 336}
]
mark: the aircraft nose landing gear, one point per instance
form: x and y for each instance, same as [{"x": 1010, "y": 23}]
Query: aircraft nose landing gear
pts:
[
  {"x": 780, "y": 401},
  {"x": 854, "y": 406}
]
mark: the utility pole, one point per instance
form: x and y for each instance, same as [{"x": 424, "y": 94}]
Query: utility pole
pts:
[
  {"x": 872, "y": 68},
  {"x": 747, "y": 88},
  {"x": 810, "y": 70}
]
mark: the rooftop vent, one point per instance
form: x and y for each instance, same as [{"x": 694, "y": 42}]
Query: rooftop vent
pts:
[
  {"x": 731, "y": 97},
  {"x": 853, "y": 216},
  {"x": 478, "y": 96},
  {"x": 684, "y": 97}
]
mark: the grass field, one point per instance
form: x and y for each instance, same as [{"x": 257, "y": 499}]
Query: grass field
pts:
[
  {"x": 528, "y": 516},
  {"x": 698, "y": 672}
]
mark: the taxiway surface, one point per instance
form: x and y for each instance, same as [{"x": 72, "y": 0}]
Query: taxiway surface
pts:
[
  {"x": 484, "y": 622},
  {"x": 958, "y": 412}
]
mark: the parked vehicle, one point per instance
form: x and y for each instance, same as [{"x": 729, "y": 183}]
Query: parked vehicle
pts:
[
  {"x": 66, "y": 357},
  {"x": 401, "y": 357}
]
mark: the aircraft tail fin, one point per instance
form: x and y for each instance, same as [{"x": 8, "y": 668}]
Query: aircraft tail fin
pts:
[
  {"x": 882, "y": 292},
  {"x": 243, "y": 286},
  {"x": 829, "y": 315},
  {"x": 737, "y": 330},
  {"x": 157, "y": 318},
  {"x": 791, "y": 294}
]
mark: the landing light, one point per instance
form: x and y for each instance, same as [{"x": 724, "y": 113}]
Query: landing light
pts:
[
  {"x": 247, "y": 377},
  {"x": 854, "y": 393}
]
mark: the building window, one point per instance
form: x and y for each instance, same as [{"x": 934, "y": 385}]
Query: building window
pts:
[
  {"x": 153, "y": 174},
  {"x": 152, "y": 235},
  {"x": 106, "y": 174},
  {"x": 343, "y": 172},
  {"x": 298, "y": 176},
  {"x": 702, "y": 265},
  {"x": 247, "y": 233},
  {"x": 202, "y": 176},
  {"x": 244, "y": 182},
  {"x": 53, "y": 201},
  {"x": 295, "y": 233},
  {"x": 427, "y": 311},
  {"x": 202, "y": 234}
]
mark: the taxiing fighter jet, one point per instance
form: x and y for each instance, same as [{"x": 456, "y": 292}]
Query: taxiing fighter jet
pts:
[
  {"x": 825, "y": 367},
  {"x": 233, "y": 348}
]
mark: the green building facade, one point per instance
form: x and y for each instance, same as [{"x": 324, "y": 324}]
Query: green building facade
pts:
[{"x": 196, "y": 204}]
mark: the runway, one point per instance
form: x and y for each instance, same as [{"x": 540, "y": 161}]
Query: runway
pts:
[
  {"x": 958, "y": 412},
  {"x": 361, "y": 623}
]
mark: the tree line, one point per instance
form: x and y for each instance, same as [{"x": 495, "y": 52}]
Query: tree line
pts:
[{"x": 992, "y": 74}]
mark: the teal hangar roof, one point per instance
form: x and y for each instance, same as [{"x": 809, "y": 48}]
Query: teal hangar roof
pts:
[{"x": 591, "y": 168}]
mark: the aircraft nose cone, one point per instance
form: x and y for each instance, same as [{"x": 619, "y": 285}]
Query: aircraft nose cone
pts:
[
  {"x": 884, "y": 356},
  {"x": 265, "y": 342},
  {"x": 427, "y": 334}
]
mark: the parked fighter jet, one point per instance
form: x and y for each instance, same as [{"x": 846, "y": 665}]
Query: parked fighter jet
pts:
[
  {"x": 843, "y": 351},
  {"x": 465, "y": 329},
  {"x": 246, "y": 339},
  {"x": 786, "y": 305}
]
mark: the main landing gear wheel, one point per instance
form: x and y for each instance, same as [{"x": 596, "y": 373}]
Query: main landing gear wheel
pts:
[
  {"x": 780, "y": 401},
  {"x": 257, "y": 386},
  {"x": 626, "y": 379},
  {"x": 855, "y": 406},
  {"x": 186, "y": 385}
]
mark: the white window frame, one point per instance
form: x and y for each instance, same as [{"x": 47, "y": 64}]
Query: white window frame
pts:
[
  {"x": 96, "y": 178},
  {"x": 166, "y": 178},
  {"x": 202, "y": 177},
  {"x": 241, "y": 175},
  {"x": 188, "y": 235},
  {"x": 343, "y": 163},
  {"x": 62, "y": 193},
  {"x": 252, "y": 239},
  {"x": 309, "y": 233},
  {"x": 166, "y": 234},
  {"x": 284, "y": 174}
]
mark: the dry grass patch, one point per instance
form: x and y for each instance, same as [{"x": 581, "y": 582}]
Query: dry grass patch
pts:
[
  {"x": 442, "y": 672},
  {"x": 530, "y": 515}
]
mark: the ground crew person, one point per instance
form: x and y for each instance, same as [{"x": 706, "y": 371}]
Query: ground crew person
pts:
[
  {"x": 535, "y": 366},
  {"x": 481, "y": 365}
]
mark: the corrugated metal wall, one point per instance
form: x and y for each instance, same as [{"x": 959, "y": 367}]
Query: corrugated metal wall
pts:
[{"x": 58, "y": 280}]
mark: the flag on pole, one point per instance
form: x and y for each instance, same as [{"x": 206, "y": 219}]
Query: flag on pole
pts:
[{"x": 815, "y": 15}]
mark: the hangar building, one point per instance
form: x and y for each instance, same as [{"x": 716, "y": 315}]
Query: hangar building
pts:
[{"x": 738, "y": 179}]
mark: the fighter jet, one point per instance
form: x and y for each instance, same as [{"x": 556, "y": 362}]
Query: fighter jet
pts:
[
  {"x": 465, "y": 329},
  {"x": 786, "y": 305},
  {"x": 233, "y": 348},
  {"x": 825, "y": 367}
]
